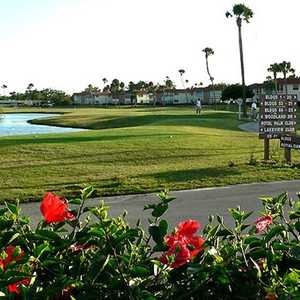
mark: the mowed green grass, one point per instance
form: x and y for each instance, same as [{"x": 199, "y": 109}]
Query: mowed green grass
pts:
[{"x": 134, "y": 150}]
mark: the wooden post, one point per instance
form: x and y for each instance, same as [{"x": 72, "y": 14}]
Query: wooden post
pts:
[
  {"x": 266, "y": 149},
  {"x": 288, "y": 155}
]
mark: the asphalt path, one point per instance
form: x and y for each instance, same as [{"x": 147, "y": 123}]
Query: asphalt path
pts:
[{"x": 190, "y": 204}]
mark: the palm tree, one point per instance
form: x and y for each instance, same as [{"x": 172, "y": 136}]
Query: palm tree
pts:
[
  {"x": 285, "y": 68},
  {"x": 169, "y": 83},
  {"x": 275, "y": 69},
  {"x": 29, "y": 88},
  {"x": 208, "y": 52},
  {"x": 181, "y": 72},
  {"x": 4, "y": 87},
  {"x": 104, "y": 80},
  {"x": 242, "y": 13}
]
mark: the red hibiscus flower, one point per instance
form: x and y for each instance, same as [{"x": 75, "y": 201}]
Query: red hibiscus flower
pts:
[
  {"x": 10, "y": 258},
  {"x": 188, "y": 228},
  {"x": 183, "y": 245},
  {"x": 55, "y": 209},
  {"x": 15, "y": 287},
  {"x": 262, "y": 223}
]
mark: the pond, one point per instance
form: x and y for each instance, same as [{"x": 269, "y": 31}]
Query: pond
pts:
[{"x": 16, "y": 124}]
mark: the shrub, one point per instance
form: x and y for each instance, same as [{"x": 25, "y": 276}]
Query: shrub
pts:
[
  {"x": 252, "y": 160},
  {"x": 231, "y": 164},
  {"x": 80, "y": 252}
]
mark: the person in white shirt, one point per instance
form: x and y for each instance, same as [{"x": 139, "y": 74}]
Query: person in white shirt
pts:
[
  {"x": 254, "y": 110},
  {"x": 198, "y": 107}
]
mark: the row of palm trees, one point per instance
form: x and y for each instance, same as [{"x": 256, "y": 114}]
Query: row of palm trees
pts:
[
  {"x": 242, "y": 13},
  {"x": 285, "y": 68},
  {"x": 4, "y": 88}
]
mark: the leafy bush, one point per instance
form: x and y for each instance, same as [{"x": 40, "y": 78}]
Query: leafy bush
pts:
[{"x": 83, "y": 253}]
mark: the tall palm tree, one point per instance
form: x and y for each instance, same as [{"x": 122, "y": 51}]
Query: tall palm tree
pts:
[
  {"x": 208, "y": 52},
  {"x": 104, "y": 80},
  {"x": 30, "y": 86},
  {"x": 29, "y": 90},
  {"x": 274, "y": 69},
  {"x": 286, "y": 68},
  {"x": 181, "y": 72},
  {"x": 4, "y": 87},
  {"x": 241, "y": 13}
]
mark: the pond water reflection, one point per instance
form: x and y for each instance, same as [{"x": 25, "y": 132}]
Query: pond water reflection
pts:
[{"x": 16, "y": 124}]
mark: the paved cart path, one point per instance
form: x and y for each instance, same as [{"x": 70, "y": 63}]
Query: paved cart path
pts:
[
  {"x": 249, "y": 126},
  {"x": 196, "y": 204}
]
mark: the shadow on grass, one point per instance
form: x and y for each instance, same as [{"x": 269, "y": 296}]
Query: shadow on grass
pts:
[
  {"x": 74, "y": 138},
  {"x": 127, "y": 157},
  {"x": 193, "y": 174}
]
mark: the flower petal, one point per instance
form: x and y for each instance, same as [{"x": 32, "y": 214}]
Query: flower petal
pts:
[{"x": 188, "y": 227}]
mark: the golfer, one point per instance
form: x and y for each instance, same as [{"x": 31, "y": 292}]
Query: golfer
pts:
[{"x": 198, "y": 107}]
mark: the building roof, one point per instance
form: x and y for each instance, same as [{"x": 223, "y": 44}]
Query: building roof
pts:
[
  {"x": 289, "y": 81},
  {"x": 279, "y": 81}
]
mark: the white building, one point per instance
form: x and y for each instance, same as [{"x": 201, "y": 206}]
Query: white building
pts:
[
  {"x": 168, "y": 97},
  {"x": 144, "y": 98},
  {"x": 88, "y": 99},
  {"x": 293, "y": 88}
]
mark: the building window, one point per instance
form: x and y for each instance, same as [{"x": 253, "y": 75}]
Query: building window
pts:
[
  {"x": 295, "y": 87},
  {"x": 280, "y": 88}
]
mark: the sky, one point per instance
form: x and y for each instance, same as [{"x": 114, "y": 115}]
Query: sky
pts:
[{"x": 68, "y": 44}]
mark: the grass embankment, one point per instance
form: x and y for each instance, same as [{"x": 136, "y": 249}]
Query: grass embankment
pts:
[{"x": 136, "y": 150}]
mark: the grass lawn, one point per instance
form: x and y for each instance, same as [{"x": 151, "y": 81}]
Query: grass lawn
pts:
[{"x": 135, "y": 150}]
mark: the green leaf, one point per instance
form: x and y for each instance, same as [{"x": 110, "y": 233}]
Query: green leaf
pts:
[
  {"x": 37, "y": 252},
  {"x": 97, "y": 231},
  {"x": 159, "y": 210},
  {"x": 224, "y": 232},
  {"x": 14, "y": 237},
  {"x": 139, "y": 271},
  {"x": 48, "y": 235},
  {"x": 160, "y": 248},
  {"x": 294, "y": 214},
  {"x": 214, "y": 231},
  {"x": 164, "y": 197},
  {"x": 280, "y": 246},
  {"x": 295, "y": 251},
  {"x": 256, "y": 254},
  {"x": 273, "y": 232},
  {"x": 6, "y": 224},
  {"x": 87, "y": 192},
  {"x": 163, "y": 227},
  {"x": 297, "y": 226},
  {"x": 247, "y": 215},
  {"x": 156, "y": 234},
  {"x": 236, "y": 215},
  {"x": 292, "y": 278},
  {"x": 75, "y": 201},
  {"x": 13, "y": 208},
  {"x": 253, "y": 241}
]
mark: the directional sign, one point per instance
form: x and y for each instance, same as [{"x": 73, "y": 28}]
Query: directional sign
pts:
[
  {"x": 290, "y": 142},
  {"x": 277, "y": 116}
]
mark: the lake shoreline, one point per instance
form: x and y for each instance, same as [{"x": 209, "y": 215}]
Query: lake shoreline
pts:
[{"x": 27, "y": 123}]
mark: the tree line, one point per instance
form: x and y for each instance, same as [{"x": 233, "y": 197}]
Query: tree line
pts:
[{"x": 46, "y": 95}]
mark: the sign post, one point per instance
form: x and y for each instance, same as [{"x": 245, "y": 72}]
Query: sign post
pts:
[
  {"x": 277, "y": 118},
  {"x": 240, "y": 102}
]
